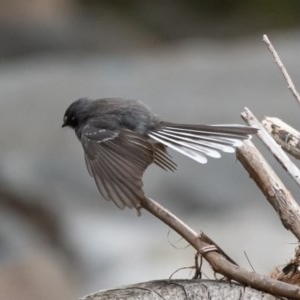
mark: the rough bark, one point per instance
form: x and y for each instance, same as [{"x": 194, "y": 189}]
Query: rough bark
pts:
[{"x": 181, "y": 290}]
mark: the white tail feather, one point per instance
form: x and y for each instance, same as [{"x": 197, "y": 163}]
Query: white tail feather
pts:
[
  {"x": 190, "y": 144},
  {"x": 225, "y": 145},
  {"x": 196, "y": 155}
]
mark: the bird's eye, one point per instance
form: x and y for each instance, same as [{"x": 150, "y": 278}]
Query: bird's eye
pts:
[{"x": 73, "y": 118}]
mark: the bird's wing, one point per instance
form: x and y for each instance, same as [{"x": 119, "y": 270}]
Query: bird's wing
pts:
[{"x": 117, "y": 161}]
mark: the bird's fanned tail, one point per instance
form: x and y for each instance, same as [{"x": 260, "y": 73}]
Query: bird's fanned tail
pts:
[{"x": 201, "y": 141}]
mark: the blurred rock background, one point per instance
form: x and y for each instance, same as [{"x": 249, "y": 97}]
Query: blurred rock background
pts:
[{"x": 190, "y": 61}]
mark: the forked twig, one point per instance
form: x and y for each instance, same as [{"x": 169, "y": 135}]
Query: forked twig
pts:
[{"x": 275, "y": 149}]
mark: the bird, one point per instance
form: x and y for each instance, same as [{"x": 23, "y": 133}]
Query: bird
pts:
[{"x": 122, "y": 137}]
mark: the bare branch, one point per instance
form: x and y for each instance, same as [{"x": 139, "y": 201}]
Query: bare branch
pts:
[
  {"x": 272, "y": 187},
  {"x": 285, "y": 135},
  {"x": 275, "y": 149},
  {"x": 217, "y": 260},
  {"x": 278, "y": 61}
]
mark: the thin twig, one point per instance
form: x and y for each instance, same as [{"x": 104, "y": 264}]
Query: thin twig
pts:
[
  {"x": 275, "y": 149},
  {"x": 180, "y": 269},
  {"x": 285, "y": 74},
  {"x": 248, "y": 260},
  {"x": 217, "y": 260}
]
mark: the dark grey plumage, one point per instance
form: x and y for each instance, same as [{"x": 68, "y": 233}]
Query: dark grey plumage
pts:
[{"x": 121, "y": 138}]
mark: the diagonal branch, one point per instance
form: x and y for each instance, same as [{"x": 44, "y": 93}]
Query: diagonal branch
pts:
[
  {"x": 275, "y": 149},
  {"x": 285, "y": 74},
  {"x": 272, "y": 187},
  {"x": 217, "y": 260}
]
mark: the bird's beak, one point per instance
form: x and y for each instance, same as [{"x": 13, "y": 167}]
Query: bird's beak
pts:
[{"x": 64, "y": 124}]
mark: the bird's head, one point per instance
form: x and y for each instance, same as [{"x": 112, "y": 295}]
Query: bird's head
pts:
[{"x": 76, "y": 113}]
